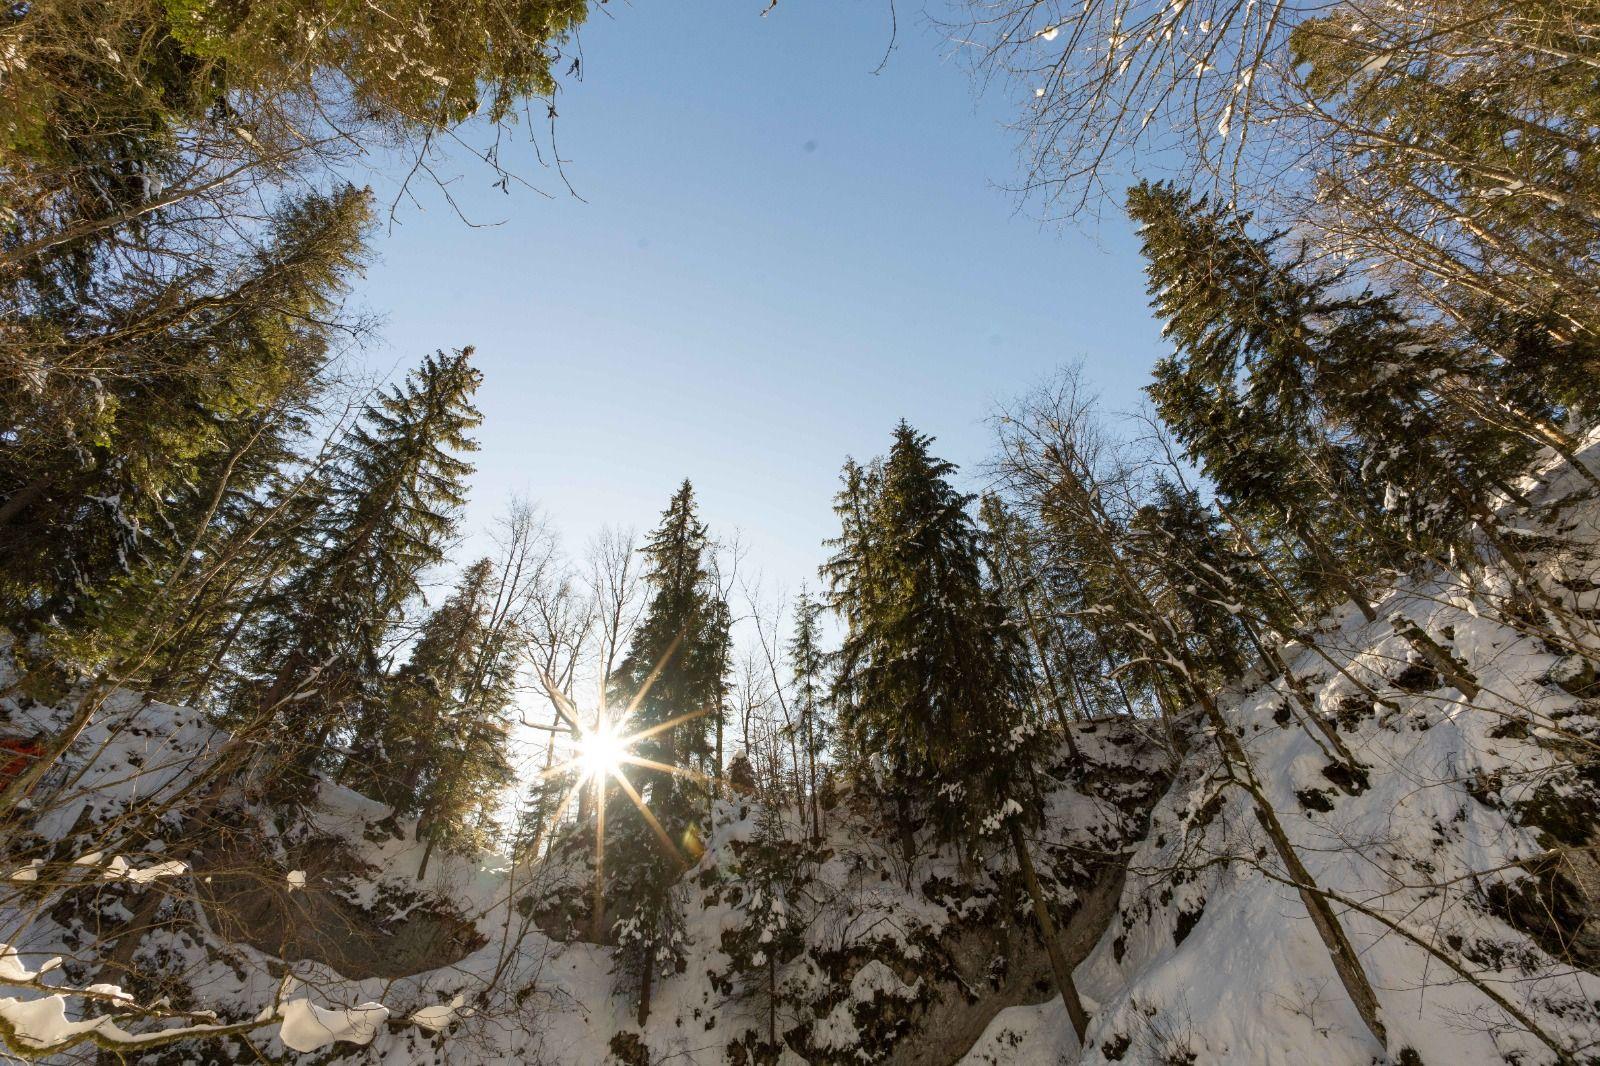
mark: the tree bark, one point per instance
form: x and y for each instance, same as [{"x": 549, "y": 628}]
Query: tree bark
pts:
[
  {"x": 645, "y": 977},
  {"x": 1047, "y": 932},
  {"x": 1346, "y": 964}
]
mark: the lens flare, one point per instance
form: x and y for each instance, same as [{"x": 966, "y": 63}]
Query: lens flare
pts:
[{"x": 601, "y": 751}]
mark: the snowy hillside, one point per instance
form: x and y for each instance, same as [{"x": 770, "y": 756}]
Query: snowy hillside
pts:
[{"x": 309, "y": 931}]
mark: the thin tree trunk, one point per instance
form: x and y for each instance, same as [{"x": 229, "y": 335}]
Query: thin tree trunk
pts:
[
  {"x": 22, "y": 786},
  {"x": 23, "y": 498},
  {"x": 427, "y": 853},
  {"x": 1346, "y": 964},
  {"x": 1047, "y": 932},
  {"x": 644, "y": 981},
  {"x": 772, "y": 1000},
  {"x": 1334, "y": 570}
]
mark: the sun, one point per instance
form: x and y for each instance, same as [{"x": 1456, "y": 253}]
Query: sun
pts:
[
  {"x": 600, "y": 757},
  {"x": 601, "y": 752}
]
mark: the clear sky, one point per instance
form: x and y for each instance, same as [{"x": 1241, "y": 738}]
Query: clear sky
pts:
[{"x": 777, "y": 255}]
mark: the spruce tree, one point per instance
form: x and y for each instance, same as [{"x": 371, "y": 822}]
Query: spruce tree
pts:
[
  {"x": 1179, "y": 543},
  {"x": 929, "y": 656},
  {"x": 108, "y": 481},
  {"x": 1236, "y": 392},
  {"x": 1311, "y": 400},
  {"x": 808, "y": 665},
  {"x": 671, "y": 686},
  {"x": 387, "y": 508},
  {"x": 939, "y": 681},
  {"x": 435, "y": 745}
]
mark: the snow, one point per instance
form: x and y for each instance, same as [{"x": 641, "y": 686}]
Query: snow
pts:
[
  {"x": 1205, "y": 954},
  {"x": 441, "y": 1015},
  {"x": 876, "y": 977},
  {"x": 308, "y": 1027},
  {"x": 12, "y": 969}
]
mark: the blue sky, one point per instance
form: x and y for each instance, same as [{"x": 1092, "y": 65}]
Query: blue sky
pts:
[{"x": 778, "y": 254}]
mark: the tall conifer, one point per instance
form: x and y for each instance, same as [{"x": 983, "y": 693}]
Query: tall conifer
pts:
[{"x": 387, "y": 509}]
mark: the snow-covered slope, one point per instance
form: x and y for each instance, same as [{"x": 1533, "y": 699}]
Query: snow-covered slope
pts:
[
  {"x": 1465, "y": 868},
  {"x": 1461, "y": 866}
]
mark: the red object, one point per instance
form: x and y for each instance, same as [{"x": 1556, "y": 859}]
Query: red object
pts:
[{"x": 16, "y": 755}]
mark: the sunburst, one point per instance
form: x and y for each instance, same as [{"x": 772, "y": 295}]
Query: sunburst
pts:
[{"x": 603, "y": 750}]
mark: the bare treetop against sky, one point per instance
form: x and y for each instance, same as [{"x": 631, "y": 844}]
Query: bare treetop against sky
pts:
[{"x": 777, "y": 254}]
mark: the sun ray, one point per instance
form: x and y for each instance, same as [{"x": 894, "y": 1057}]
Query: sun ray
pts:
[
  {"x": 560, "y": 769},
  {"x": 566, "y": 798},
  {"x": 643, "y": 734},
  {"x": 661, "y": 834},
  {"x": 598, "y": 912},
  {"x": 602, "y": 751},
  {"x": 655, "y": 672},
  {"x": 680, "y": 771}
]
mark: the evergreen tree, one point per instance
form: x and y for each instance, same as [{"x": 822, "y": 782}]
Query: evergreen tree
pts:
[
  {"x": 1236, "y": 392},
  {"x": 935, "y": 669},
  {"x": 435, "y": 744},
  {"x": 387, "y": 507},
  {"x": 769, "y": 889},
  {"x": 109, "y": 481},
  {"x": 672, "y": 686},
  {"x": 939, "y": 678},
  {"x": 808, "y": 665},
  {"x": 1189, "y": 576},
  {"x": 1015, "y": 580},
  {"x": 1458, "y": 150},
  {"x": 1312, "y": 404}
]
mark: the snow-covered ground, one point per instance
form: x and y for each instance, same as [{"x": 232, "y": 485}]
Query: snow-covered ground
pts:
[{"x": 1444, "y": 865}]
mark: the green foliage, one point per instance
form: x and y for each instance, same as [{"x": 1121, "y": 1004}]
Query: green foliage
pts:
[
  {"x": 770, "y": 889},
  {"x": 813, "y": 726},
  {"x": 1317, "y": 409},
  {"x": 111, "y": 479},
  {"x": 1192, "y": 577},
  {"x": 435, "y": 744},
  {"x": 1463, "y": 130},
  {"x": 672, "y": 682},
  {"x": 933, "y": 678},
  {"x": 384, "y": 512}
]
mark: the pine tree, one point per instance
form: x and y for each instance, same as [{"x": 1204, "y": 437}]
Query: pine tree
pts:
[
  {"x": 928, "y": 655},
  {"x": 108, "y": 482},
  {"x": 435, "y": 745},
  {"x": 1190, "y": 577},
  {"x": 388, "y": 506},
  {"x": 1236, "y": 393},
  {"x": 768, "y": 888}
]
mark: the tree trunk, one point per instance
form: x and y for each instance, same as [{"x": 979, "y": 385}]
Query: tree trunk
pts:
[
  {"x": 772, "y": 1000},
  {"x": 1047, "y": 932},
  {"x": 427, "y": 853},
  {"x": 1297, "y": 691},
  {"x": 1346, "y": 964},
  {"x": 908, "y": 844},
  {"x": 22, "y": 786},
  {"x": 645, "y": 977},
  {"x": 1333, "y": 569},
  {"x": 23, "y": 498},
  {"x": 1438, "y": 657}
]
